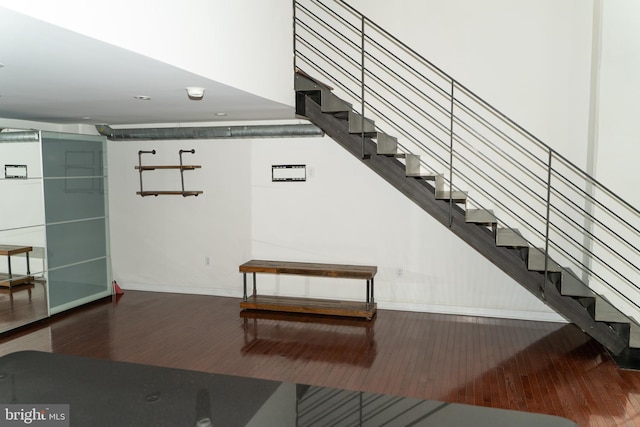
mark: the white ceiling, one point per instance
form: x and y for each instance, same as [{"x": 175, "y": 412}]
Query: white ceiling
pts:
[{"x": 50, "y": 74}]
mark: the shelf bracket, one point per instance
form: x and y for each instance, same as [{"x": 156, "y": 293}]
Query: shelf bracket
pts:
[{"x": 192, "y": 151}]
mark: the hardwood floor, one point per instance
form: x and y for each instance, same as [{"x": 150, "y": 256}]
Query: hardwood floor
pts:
[
  {"x": 22, "y": 304},
  {"x": 531, "y": 366}
]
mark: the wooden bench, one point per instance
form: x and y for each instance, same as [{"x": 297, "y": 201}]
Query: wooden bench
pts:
[
  {"x": 9, "y": 279},
  {"x": 364, "y": 309}
]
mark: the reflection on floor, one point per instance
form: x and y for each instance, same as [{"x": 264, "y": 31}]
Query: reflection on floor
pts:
[
  {"x": 542, "y": 367},
  {"x": 22, "y": 304},
  {"x": 105, "y": 393}
]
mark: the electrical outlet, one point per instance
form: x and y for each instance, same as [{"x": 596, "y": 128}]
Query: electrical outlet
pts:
[
  {"x": 399, "y": 272},
  {"x": 207, "y": 261}
]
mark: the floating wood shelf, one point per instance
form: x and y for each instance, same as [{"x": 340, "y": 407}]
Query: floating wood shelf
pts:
[
  {"x": 168, "y": 193},
  {"x": 180, "y": 167},
  {"x": 185, "y": 167}
]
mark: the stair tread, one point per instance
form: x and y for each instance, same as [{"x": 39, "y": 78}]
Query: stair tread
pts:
[
  {"x": 333, "y": 104},
  {"x": 386, "y": 144},
  {"x": 480, "y": 216},
  {"x": 510, "y": 237},
  {"x": 356, "y": 123},
  {"x": 606, "y": 312},
  {"x": 571, "y": 286},
  {"x": 303, "y": 81},
  {"x": 536, "y": 261},
  {"x": 455, "y": 195},
  {"x": 426, "y": 175},
  {"x": 634, "y": 335}
]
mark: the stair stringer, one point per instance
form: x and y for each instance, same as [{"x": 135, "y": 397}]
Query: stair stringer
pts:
[{"x": 422, "y": 193}]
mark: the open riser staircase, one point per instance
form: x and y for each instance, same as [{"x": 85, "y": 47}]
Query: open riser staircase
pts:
[
  {"x": 504, "y": 246},
  {"x": 538, "y": 262}
]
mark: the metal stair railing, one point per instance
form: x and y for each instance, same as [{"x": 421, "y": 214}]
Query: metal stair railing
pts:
[{"x": 575, "y": 220}]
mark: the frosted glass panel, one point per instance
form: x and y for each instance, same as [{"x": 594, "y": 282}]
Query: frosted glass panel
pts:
[
  {"x": 76, "y": 219},
  {"x": 73, "y": 242},
  {"x": 77, "y": 282},
  {"x": 68, "y": 199},
  {"x": 72, "y": 158}
]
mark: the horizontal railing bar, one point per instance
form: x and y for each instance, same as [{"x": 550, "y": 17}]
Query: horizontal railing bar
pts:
[
  {"x": 587, "y": 233},
  {"x": 499, "y": 133},
  {"x": 411, "y": 68},
  {"x": 411, "y": 104},
  {"x": 595, "y": 220},
  {"x": 510, "y": 159},
  {"x": 326, "y": 8},
  {"x": 594, "y": 273},
  {"x": 595, "y": 201},
  {"x": 501, "y": 187},
  {"x": 410, "y": 86},
  {"x": 408, "y": 134}
]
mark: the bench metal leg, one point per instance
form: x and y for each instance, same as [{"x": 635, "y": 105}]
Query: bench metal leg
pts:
[
  {"x": 254, "y": 285},
  {"x": 372, "y": 299},
  {"x": 244, "y": 287},
  {"x": 368, "y": 293}
]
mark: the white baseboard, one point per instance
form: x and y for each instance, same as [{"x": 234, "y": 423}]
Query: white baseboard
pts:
[
  {"x": 193, "y": 290},
  {"x": 537, "y": 316}
]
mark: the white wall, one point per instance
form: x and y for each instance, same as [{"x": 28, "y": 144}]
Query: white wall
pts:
[
  {"x": 161, "y": 243},
  {"x": 619, "y": 106},
  {"x": 530, "y": 58},
  {"x": 345, "y": 213}
]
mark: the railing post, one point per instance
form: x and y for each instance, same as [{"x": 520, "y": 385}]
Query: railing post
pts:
[
  {"x": 363, "y": 23},
  {"x": 453, "y": 83},
  {"x": 543, "y": 289}
]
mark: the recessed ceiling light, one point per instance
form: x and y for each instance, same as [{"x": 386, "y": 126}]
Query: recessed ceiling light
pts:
[
  {"x": 143, "y": 97},
  {"x": 87, "y": 118},
  {"x": 195, "y": 93},
  {"x": 220, "y": 114}
]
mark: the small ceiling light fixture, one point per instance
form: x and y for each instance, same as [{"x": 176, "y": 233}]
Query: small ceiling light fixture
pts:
[
  {"x": 143, "y": 97},
  {"x": 195, "y": 93},
  {"x": 221, "y": 114}
]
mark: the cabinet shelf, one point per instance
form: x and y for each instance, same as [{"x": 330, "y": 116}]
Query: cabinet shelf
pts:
[{"x": 142, "y": 168}]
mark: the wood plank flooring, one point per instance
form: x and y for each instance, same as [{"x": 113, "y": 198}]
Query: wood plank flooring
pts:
[{"x": 532, "y": 366}]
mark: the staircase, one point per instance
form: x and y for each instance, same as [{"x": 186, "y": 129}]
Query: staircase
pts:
[{"x": 560, "y": 241}]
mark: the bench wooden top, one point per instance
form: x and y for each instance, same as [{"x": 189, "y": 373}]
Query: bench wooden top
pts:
[
  {"x": 8, "y": 250},
  {"x": 309, "y": 269}
]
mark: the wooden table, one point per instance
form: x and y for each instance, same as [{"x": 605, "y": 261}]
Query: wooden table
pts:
[
  {"x": 9, "y": 279},
  {"x": 332, "y": 307}
]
